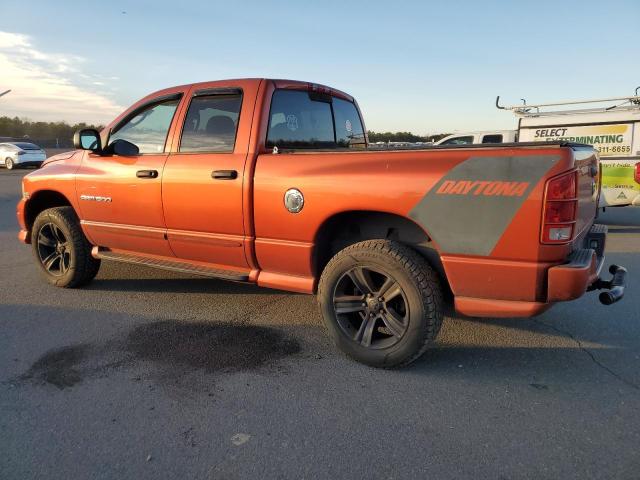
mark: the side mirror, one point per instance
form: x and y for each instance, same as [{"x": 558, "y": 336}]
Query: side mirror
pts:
[
  {"x": 87, "y": 139},
  {"x": 123, "y": 148}
]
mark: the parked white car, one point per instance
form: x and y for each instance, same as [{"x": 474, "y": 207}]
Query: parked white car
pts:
[{"x": 21, "y": 154}]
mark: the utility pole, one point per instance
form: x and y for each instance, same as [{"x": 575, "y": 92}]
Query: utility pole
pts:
[{"x": 4, "y": 93}]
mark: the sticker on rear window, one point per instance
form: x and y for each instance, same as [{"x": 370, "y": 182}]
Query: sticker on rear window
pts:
[
  {"x": 348, "y": 126},
  {"x": 292, "y": 122}
]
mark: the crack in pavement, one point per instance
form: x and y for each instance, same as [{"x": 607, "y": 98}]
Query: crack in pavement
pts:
[{"x": 589, "y": 353}]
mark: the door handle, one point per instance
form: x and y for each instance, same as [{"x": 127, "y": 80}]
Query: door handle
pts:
[
  {"x": 147, "y": 174},
  {"x": 224, "y": 174}
]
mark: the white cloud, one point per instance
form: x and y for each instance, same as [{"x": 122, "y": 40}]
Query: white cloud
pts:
[{"x": 50, "y": 86}]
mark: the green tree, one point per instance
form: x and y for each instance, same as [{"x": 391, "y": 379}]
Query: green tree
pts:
[
  {"x": 403, "y": 137},
  {"x": 45, "y": 134}
]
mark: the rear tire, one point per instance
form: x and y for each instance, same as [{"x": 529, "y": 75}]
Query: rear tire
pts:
[
  {"x": 61, "y": 249},
  {"x": 8, "y": 163},
  {"x": 381, "y": 302}
]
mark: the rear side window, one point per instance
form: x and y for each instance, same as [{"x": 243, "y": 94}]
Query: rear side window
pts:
[
  {"x": 459, "y": 141},
  {"x": 492, "y": 139},
  {"x": 211, "y": 124},
  {"x": 297, "y": 120},
  {"x": 148, "y": 128},
  {"x": 349, "y": 131}
]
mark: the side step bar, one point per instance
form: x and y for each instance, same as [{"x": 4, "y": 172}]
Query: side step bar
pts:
[{"x": 175, "y": 266}]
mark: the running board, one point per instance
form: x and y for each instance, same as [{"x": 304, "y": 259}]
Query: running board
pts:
[{"x": 174, "y": 266}]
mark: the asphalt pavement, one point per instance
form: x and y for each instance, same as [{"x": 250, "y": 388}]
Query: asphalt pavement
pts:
[{"x": 147, "y": 374}]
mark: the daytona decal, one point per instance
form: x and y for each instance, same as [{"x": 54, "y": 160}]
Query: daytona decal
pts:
[
  {"x": 470, "y": 187},
  {"x": 469, "y": 209}
]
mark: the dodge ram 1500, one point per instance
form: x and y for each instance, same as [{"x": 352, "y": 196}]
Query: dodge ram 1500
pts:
[{"x": 271, "y": 182}]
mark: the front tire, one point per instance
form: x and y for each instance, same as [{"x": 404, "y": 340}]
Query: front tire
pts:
[
  {"x": 8, "y": 163},
  {"x": 381, "y": 303},
  {"x": 61, "y": 249}
]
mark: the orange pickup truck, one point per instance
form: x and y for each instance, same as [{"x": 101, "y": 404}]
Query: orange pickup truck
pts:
[{"x": 272, "y": 182}]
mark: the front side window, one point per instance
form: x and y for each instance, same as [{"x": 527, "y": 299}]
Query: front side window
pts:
[
  {"x": 211, "y": 124},
  {"x": 148, "y": 128},
  {"x": 458, "y": 141}
]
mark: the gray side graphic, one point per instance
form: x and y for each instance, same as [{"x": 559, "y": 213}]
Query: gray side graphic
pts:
[{"x": 472, "y": 224}]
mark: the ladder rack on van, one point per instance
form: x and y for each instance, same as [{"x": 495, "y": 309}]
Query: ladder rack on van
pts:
[{"x": 630, "y": 102}]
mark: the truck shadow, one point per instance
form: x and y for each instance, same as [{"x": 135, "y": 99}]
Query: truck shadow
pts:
[{"x": 181, "y": 353}]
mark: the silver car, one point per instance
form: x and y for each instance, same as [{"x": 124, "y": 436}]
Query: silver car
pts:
[{"x": 21, "y": 154}]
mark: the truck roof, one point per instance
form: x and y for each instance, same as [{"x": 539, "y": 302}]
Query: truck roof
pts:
[{"x": 279, "y": 83}]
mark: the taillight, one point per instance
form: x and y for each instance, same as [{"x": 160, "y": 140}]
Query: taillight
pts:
[
  {"x": 636, "y": 174},
  {"x": 560, "y": 205},
  {"x": 560, "y": 212}
]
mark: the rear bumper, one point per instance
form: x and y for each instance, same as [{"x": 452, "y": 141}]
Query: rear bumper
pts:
[
  {"x": 565, "y": 282},
  {"x": 571, "y": 280}
]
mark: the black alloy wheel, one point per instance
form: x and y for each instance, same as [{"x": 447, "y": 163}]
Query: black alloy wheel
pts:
[
  {"x": 61, "y": 249},
  {"x": 53, "y": 250},
  {"x": 371, "y": 307},
  {"x": 381, "y": 302}
]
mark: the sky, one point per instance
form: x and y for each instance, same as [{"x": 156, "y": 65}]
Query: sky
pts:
[{"x": 419, "y": 66}]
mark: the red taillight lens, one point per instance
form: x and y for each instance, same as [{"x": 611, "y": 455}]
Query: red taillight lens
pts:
[
  {"x": 560, "y": 212},
  {"x": 562, "y": 188},
  {"x": 636, "y": 174},
  {"x": 560, "y": 208}
]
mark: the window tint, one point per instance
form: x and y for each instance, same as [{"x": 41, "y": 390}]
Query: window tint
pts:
[
  {"x": 349, "y": 131},
  {"x": 297, "y": 121},
  {"x": 148, "y": 128},
  {"x": 492, "y": 139},
  {"x": 458, "y": 141},
  {"x": 211, "y": 124}
]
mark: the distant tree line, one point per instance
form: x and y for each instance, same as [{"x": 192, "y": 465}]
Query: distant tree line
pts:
[
  {"x": 45, "y": 134},
  {"x": 403, "y": 137}
]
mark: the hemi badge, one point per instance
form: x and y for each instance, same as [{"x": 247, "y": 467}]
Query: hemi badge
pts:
[{"x": 95, "y": 198}]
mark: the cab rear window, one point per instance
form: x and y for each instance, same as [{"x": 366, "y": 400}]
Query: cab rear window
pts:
[{"x": 299, "y": 119}]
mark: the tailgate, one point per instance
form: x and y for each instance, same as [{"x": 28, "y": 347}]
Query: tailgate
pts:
[{"x": 588, "y": 166}]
